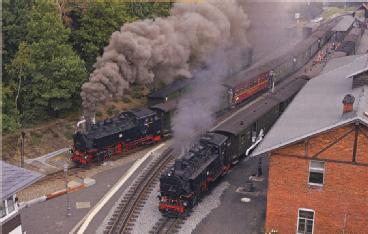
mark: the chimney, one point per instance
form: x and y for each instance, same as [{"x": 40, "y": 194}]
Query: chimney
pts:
[{"x": 348, "y": 103}]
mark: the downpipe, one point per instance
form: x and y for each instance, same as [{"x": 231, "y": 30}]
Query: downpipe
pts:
[{"x": 257, "y": 141}]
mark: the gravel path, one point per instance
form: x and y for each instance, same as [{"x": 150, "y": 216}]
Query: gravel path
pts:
[
  {"x": 146, "y": 210},
  {"x": 149, "y": 215},
  {"x": 209, "y": 202}
]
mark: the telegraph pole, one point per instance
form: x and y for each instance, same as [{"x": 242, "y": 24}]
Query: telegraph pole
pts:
[
  {"x": 23, "y": 134},
  {"x": 68, "y": 209}
]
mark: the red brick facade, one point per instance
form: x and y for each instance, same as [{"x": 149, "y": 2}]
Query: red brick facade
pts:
[{"x": 341, "y": 204}]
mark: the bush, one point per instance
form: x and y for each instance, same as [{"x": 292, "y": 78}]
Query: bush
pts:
[
  {"x": 110, "y": 110},
  {"x": 98, "y": 114}
]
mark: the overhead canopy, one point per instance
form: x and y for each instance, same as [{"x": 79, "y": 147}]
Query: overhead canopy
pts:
[
  {"x": 344, "y": 24},
  {"x": 14, "y": 179}
]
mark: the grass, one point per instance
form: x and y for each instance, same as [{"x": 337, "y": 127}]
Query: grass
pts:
[
  {"x": 331, "y": 11},
  {"x": 68, "y": 135},
  {"x": 35, "y": 138}
]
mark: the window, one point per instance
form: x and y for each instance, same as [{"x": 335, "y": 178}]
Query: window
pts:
[
  {"x": 10, "y": 204},
  {"x": 2, "y": 209},
  {"x": 305, "y": 221},
  {"x": 316, "y": 172}
]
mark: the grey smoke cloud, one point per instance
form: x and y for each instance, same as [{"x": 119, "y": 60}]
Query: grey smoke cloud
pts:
[{"x": 165, "y": 48}]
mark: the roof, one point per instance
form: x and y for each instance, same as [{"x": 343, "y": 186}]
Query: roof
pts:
[
  {"x": 318, "y": 106},
  {"x": 344, "y": 24},
  {"x": 246, "y": 117},
  {"x": 14, "y": 179},
  {"x": 141, "y": 112},
  {"x": 168, "y": 90},
  {"x": 364, "y": 6},
  {"x": 166, "y": 106}
]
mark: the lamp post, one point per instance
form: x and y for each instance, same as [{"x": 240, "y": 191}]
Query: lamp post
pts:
[{"x": 68, "y": 209}]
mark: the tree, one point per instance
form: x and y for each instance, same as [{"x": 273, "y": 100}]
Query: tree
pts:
[
  {"x": 9, "y": 115},
  {"x": 144, "y": 10},
  {"x": 15, "y": 18},
  {"x": 100, "y": 20},
  {"x": 52, "y": 72}
]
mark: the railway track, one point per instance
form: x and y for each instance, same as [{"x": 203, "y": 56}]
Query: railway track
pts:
[
  {"x": 127, "y": 211},
  {"x": 167, "y": 225}
]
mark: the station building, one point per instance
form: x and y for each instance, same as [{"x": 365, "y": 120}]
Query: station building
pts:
[
  {"x": 318, "y": 150},
  {"x": 13, "y": 179}
]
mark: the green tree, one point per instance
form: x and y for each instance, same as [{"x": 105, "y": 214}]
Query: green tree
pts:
[
  {"x": 9, "y": 115},
  {"x": 96, "y": 25},
  {"x": 15, "y": 18},
  {"x": 144, "y": 10},
  {"x": 51, "y": 71}
]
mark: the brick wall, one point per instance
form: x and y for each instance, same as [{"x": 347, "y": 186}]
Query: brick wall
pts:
[{"x": 342, "y": 202}]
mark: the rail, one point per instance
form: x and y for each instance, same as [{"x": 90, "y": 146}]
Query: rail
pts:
[{"x": 127, "y": 211}]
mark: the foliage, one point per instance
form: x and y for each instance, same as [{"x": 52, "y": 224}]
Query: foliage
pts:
[
  {"x": 144, "y": 10},
  {"x": 48, "y": 48},
  {"x": 15, "y": 18},
  {"x": 53, "y": 73},
  {"x": 9, "y": 115},
  {"x": 96, "y": 26}
]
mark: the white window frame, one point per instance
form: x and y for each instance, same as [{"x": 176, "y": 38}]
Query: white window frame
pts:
[
  {"x": 9, "y": 214},
  {"x": 313, "y": 169},
  {"x": 314, "y": 218}
]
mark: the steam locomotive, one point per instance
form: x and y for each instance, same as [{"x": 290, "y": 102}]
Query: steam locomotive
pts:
[
  {"x": 184, "y": 184},
  {"x": 140, "y": 126}
]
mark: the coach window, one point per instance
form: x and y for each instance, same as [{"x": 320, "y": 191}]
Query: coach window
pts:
[
  {"x": 305, "y": 221},
  {"x": 316, "y": 173}
]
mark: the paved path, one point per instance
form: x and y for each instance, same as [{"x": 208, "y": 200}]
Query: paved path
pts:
[
  {"x": 50, "y": 217},
  {"x": 43, "y": 158}
]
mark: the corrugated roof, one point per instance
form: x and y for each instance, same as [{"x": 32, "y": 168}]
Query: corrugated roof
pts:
[
  {"x": 14, "y": 179},
  {"x": 344, "y": 24},
  {"x": 318, "y": 106}
]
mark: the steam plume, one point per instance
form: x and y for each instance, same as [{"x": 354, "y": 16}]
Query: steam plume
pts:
[{"x": 164, "y": 48}]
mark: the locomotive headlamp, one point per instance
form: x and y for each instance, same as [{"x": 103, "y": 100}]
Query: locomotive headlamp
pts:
[
  {"x": 185, "y": 203},
  {"x": 85, "y": 156},
  {"x": 169, "y": 174}
]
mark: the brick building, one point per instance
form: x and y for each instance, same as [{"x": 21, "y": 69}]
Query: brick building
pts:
[{"x": 318, "y": 149}]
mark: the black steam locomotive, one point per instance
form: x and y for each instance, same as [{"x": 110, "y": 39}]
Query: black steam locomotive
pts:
[
  {"x": 116, "y": 135},
  {"x": 183, "y": 185}
]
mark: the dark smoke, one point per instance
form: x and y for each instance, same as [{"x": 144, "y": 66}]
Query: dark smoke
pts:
[
  {"x": 164, "y": 48},
  {"x": 195, "y": 112}
]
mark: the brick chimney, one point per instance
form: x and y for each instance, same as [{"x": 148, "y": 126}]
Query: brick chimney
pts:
[{"x": 348, "y": 103}]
